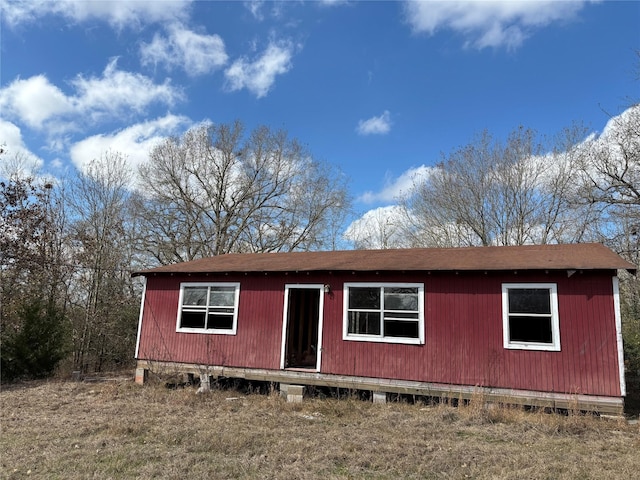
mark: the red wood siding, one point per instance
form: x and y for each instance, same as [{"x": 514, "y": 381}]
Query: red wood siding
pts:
[
  {"x": 463, "y": 331},
  {"x": 258, "y": 338}
]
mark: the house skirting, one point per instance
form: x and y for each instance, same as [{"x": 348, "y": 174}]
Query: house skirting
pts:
[{"x": 553, "y": 400}]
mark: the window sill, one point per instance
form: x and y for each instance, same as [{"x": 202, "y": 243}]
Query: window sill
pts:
[
  {"x": 398, "y": 340},
  {"x": 205, "y": 332},
  {"x": 542, "y": 347}
]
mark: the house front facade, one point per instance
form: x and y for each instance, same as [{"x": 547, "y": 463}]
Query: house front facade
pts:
[{"x": 537, "y": 325}]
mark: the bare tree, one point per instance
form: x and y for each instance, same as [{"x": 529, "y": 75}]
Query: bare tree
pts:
[
  {"x": 213, "y": 191},
  {"x": 493, "y": 193},
  {"x": 612, "y": 169},
  {"x": 102, "y": 249},
  {"x": 610, "y": 183},
  {"x": 379, "y": 228}
]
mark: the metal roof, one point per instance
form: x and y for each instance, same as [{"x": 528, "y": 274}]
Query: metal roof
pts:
[{"x": 582, "y": 256}]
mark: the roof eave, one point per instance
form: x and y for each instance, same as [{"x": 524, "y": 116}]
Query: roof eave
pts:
[{"x": 153, "y": 272}]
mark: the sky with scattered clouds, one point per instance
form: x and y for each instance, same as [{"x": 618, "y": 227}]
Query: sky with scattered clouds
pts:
[{"x": 380, "y": 89}]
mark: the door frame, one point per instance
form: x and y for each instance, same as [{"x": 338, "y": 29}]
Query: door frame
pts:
[{"x": 285, "y": 320}]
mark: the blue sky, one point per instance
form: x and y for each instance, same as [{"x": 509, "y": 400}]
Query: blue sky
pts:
[{"x": 379, "y": 89}]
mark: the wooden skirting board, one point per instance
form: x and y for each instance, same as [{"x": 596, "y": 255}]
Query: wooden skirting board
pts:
[{"x": 565, "y": 401}]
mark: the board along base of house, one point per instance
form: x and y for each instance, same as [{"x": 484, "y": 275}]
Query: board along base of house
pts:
[{"x": 554, "y": 401}]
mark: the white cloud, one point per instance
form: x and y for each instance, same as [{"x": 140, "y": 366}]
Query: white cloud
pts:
[
  {"x": 380, "y": 125},
  {"x": 332, "y": 3},
  {"x": 135, "y": 142},
  {"x": 42, "y": 105},
  {"x": 196, "y": 53},
  {"x": 118, "y": 91},
  {"x": 622, "y": 124},
  {"x": 16, "y": 156},
  {"x": 259, "y": 75},
  {"x": 489, "y": 24},
  {"x": 262, "y": 9},
  {"x": 56, "y": 163},
  {"x": 378, "y": 228},
  {"x": 255, "y": 7},
  {"x": 394, "y": 188},
  {"x": 118, "y": 14},
  {"x": 34, "y": 100}
]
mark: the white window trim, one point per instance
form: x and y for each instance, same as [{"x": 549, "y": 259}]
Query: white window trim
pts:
[
  {"x": 379, "y": 338},
  {"x": 218, "y": 331},
  {"x": 285, "y": 318},
  {"x": 554, "y": 346},
  {"x": 142, "y": 303},
  {"x": 618, "y": 321}
]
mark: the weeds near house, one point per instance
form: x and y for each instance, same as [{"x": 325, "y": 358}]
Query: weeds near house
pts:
[{"x": 116, "y": 429}]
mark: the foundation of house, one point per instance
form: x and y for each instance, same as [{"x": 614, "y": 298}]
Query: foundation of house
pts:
[
  {"x": 379, "y": 397},
  {"x": 292, "y": 383},
  {"x": 293, "y": 393},
  {"x": 205, "y": 383},
  {"x": 141, "y": 375}
]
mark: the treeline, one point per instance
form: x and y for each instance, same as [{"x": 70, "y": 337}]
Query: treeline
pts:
[{"x": 68, "y": 246}]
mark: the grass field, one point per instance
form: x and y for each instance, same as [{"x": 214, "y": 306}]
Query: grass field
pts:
[{"x": 116, "y": 429}]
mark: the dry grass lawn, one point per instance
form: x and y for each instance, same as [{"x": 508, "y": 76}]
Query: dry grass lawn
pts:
[{"x": 116, "y": 429}]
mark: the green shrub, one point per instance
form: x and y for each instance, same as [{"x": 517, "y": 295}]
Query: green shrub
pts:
[
  {"x": 631, "y": 338},
  {"x": 35, "y": 348}
]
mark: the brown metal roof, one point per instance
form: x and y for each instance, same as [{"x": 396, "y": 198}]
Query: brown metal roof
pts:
[{"x": 583, "y": 256}]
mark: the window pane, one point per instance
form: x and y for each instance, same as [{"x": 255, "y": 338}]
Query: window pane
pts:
[
  {"x": 401, "y": 298},
  {"x": 192, "y": 320},
  {"x": 364, "y": 323},
  {"x": 222, "y": 322},
  {"x": 529, "y": 300},
  {"x": 222, "y": 296},
  {"x": 194, "y": 296},
  {"x": 393, "y": 328},
  {"x": 530, "y": 329},
  {"x": 364, "y": 297}
]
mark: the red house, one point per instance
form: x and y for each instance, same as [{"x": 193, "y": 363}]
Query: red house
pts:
[{"x": 536, "y": 325}]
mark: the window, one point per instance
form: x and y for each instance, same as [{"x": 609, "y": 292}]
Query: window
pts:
[
  {"x": 208, "y": 307},
  {"x": 384, "y": 312},
  {"x": 530, "y": 316}
]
